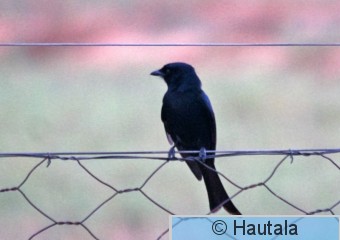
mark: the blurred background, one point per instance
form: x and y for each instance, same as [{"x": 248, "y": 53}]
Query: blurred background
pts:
[{"x": 103, "y": 99}]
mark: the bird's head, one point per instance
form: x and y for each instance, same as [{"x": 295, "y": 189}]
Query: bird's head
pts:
[{"x": 178, "y": 75}]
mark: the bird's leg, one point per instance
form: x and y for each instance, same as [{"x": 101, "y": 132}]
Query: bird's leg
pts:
[
  {"x": 203, "y": 154},
  {"x": 171, "y": 153},
  {"x": 291, "y": 156}
]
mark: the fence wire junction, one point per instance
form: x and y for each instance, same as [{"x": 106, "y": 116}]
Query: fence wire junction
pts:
[{"x": 80, "y": 157}]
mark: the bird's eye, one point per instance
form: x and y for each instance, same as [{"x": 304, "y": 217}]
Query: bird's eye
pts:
[{"x": 167, "y": 71}]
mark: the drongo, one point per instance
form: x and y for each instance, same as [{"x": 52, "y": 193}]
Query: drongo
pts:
[{"x": 189, "y": 123}]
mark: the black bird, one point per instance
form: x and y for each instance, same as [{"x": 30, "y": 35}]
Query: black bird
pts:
[{"x": 189, "y": 123}]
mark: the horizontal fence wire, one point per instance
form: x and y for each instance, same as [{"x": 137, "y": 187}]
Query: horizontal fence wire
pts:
[
  {"x": 221, "y": 44},
  {"x": 79, "y": 157},
  {"x": 150, "y": 154}
]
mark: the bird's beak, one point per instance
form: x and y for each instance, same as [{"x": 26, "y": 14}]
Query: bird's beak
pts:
[{"x": 157, "y": 73}]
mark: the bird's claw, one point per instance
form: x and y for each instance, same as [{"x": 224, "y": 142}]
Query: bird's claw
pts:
[
  {"x": 203, "y": 154},
  {"x": 291, "y": 156},
  {"x": 48, "y": 159},
  {"x": 171, "y": 153}
]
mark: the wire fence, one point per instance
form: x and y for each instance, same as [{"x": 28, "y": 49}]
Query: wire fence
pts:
[{"x": 46, "y": 159}]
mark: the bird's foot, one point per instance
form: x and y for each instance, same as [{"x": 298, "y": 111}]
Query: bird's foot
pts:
[
  {"x": 291, "y": 156},
  {"x": 203, "y": 154},
  {"x": 171, "y": 153}
]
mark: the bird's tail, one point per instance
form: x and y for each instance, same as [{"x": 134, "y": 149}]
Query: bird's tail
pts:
[{"x": 217, "y": 195}]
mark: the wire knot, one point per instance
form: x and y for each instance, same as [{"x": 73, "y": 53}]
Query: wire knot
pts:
[{"x": 203, "y": 154}]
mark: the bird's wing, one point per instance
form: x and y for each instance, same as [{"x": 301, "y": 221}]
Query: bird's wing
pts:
[
  {"x": 210, "y": 116},
  {"x": 201, "y": 112},
  {"x": 166, "y": 127}
]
